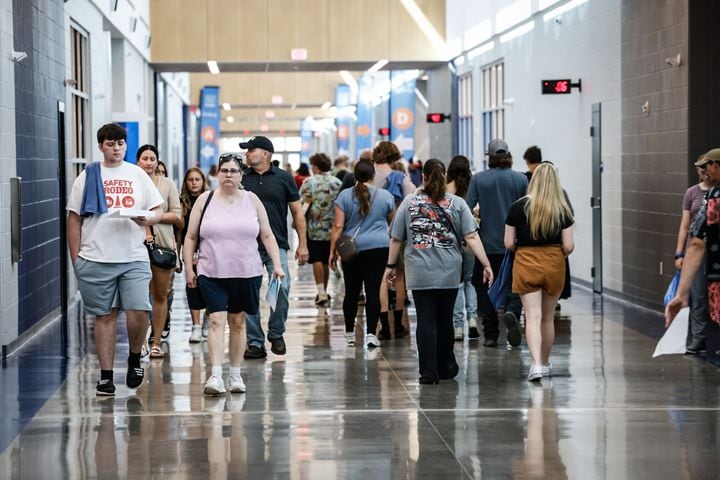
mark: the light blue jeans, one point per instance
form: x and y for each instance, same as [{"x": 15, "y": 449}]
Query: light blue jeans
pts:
[
  {"x": 276, "y": 323},
  {"x": 466, "y": 301}
]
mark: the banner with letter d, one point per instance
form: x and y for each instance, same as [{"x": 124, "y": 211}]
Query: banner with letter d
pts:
[
  {"x": 208, "y": 150},
  {"x": 402, "y": 113}
]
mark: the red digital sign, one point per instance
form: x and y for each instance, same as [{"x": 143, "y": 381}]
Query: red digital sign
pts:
[
  {"x": 553, "y": 87},
  {"x": 384, "y": 131},
  {"x": 437, "y": 117}
]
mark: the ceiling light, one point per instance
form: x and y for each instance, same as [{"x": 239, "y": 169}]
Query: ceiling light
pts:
[
  {"x": 326, "y": 105},
  {"x": 213, "y": 67},
  {"x": 422, "y": 21},
  {"x": 230, "y": 119},
  {"x": 226, "y": 106},
  {"x": 350, "y": 80},
  {"x": 277, "y": 99},
  {"x": 269, "y": 114},
  {"x": 298, "y": 54},
  {"x": 380, "y": 64}
]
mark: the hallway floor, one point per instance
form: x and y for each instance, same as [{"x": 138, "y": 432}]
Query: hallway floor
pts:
[{"x": 327, "y": 411}]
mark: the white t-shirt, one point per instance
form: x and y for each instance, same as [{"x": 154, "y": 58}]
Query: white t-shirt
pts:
[{"x": 116, "y": 240}]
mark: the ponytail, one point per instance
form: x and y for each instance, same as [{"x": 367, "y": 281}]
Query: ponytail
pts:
[
  {"x": 434, "y": 184},
  {"x": 364, "y": 172}
]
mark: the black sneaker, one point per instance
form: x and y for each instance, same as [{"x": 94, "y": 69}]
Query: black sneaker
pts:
[
  {"x": 696, "y": 346},
  {"x": 166, "y": 329},
  {"x": 134, "y": 377},
  {"x": 384, "y": 335},
  {"x": 277, "y": 346},
  {"x": 254, "y": 352},
  {"x": 490, "y": 342},
  {"x": 402, "y": 332},
  {"x": 513, "y": 329},
  {"x": 151, "y": 337},
  {"x": 105, "y": 388}
]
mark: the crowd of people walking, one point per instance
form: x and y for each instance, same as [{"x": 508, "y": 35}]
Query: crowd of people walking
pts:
[{"x": 441, "y": 236}]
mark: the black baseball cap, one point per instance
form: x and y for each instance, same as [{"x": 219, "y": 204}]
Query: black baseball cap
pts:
[{"x": 258, "y": 142}]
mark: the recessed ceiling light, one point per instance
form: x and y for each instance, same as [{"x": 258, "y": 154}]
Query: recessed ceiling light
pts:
[
  {"x": 380, "y": 64},
  {"x": 213, "y": 67}
]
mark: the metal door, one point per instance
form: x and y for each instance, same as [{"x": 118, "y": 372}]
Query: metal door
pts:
[{"x": 596, "y": 200}]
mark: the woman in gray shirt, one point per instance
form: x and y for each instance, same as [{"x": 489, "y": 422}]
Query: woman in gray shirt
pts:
[{"x": 434, "y": 223}]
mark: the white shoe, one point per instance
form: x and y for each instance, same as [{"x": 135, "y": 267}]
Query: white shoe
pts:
[
  {"x": 196, "y": 334},
  {"x": 536, "y": 373},
  {"x": 459, "y": 334},
  {"x": 547, "y": 369},
  {"x": 205, "y": 326},
  {"x": 350, "y": 338},
  {"x": 372, "y": 341},
  {"x": 214, "y": 385},
  {"x": 235, "y": 384}
]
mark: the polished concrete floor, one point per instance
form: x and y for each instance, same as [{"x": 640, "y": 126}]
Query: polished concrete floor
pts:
[{"x": 327, "y": 411}]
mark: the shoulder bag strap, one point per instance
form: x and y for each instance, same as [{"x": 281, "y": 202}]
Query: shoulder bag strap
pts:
[{"x": 202, "y": 214}]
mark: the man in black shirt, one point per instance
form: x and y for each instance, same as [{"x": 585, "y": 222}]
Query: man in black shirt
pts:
[{"x": 277, "y": 190}]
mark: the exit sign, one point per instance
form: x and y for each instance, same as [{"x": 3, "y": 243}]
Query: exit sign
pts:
[
  {"x": 562, "y": 86},
  {"x": 437, "y": 117}
]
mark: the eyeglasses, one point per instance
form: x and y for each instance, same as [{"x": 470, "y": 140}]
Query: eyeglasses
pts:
[{"x": 230, "y": 171}]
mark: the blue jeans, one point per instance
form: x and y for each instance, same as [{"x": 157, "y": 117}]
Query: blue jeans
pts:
[
  {"x": 466, "y": 301},
  {"x": 276, "y": 323}
]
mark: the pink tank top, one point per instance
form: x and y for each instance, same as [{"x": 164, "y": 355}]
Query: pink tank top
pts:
[{"x": 228, "y": 240}]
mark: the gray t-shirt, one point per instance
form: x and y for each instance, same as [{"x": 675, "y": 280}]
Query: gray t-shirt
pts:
[
  {"x": 494, "y": 191},
  {"x": 432, "y": 254},
  {"x": 373, "y": 232}
]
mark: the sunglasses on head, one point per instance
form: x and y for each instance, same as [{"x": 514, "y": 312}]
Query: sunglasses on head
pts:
[{"x": 236, "y": 157}]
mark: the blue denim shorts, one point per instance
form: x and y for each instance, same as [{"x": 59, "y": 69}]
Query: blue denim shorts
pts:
[
  {"x": 232, "y": 295},
  {"x": 106, "y": 286}
]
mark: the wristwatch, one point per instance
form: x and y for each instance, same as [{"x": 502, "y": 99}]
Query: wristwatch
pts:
[{"x": 679, "y": 255}]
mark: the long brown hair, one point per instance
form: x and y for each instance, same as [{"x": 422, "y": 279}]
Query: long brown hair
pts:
[
  {"x": 364, "y": 172},
  {"x": 435, "y": 184},
  {"x": 185, "y": 195},
  {"x": 459, "y": 172}
]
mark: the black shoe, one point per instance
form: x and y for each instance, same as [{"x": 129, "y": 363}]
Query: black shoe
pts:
[
  {"x": 557, "y": 307},
  {"x": 490, "y": 342},
  {"x": 384, "y": 335},
  {"x": 513, "y": 328},
  {"x": 277, "y": 346},
  {"x": 402, "y": 332},
  {"x": 134, "y": 377},
  {"x": 105, "y": 388},
  {"x": 151, "y": 337},
  {"x": 166, "y": 329},
  {"x": 473, "y": 332},
  {"x": 428, "y": 381},
  {"x": 254, "y": 352},
  {"x": 696, "y": 346}
]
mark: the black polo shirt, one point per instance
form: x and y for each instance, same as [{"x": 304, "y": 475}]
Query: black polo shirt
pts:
[{"x": 275, "y": 188}]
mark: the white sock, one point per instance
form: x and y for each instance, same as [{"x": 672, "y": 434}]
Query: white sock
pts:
[
  {"x": 321, "y": 288},
  {"x": 217, "y": 371},
  {"x": 235, "y": 371}
]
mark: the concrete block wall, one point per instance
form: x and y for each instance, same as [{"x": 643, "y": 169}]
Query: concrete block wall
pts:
[{"x": 8, "y": 270}]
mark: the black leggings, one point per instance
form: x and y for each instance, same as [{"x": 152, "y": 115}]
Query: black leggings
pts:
[
  {"x": 367, "y": 268},
  {"x": 434, "y": 332}
]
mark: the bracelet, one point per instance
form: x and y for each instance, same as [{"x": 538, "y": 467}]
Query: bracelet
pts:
[
  {"x": 391, "y": 265},
  {"x": 679, "y": 255}
]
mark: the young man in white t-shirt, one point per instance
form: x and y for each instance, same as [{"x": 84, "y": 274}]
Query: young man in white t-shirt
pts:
[{"x": 108, "y": 254}]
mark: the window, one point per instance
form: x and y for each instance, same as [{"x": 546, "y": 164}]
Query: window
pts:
[
  {"x": 79, "y": 87},
  {"x": 493, "y": 108},
  {"x": 465, "y": 122}
]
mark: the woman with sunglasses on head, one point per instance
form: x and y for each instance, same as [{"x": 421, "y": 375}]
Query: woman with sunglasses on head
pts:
[
  {"x": 538, "y": 228},
  {"x": 229, "y": 268},
  {"x": 161, "y": 235},
  {"x": 434, "y": 223},
  {"x": 194, "y": 184}
]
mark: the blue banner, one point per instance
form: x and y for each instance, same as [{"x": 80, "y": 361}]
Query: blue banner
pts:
[
  {"x": 306, "y": 137},
  {"x": 342, "y": 121},
  {"x": 209, "y": 149},
  {"x": 363, "y": 131},
  {"x": 402, "y": 114},
  {"x": 132, "y": 141}
]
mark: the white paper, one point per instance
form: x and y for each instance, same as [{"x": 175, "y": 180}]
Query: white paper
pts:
[
  {"x": 129, "y": 213},
  {"x": 273, "y": 292},
  {"x": 675, "y": 336}
]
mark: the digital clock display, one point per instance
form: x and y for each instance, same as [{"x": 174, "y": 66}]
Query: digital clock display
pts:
[{"x": 554, "y": 87}]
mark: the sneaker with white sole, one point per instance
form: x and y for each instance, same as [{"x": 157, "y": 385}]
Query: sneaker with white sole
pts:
[
  {"x": 214, "y": 385},
  {"x": 205, "y": 326},
  {"x": 546, "y": 369},
  {"x": 350, "y": 338},
  {"x": 235, "y": 384},
  {"x": 196, "y": 334},
  {"x": 459, "y": 334},
  {"x": 535, "y": 374},
  {"x": 372, "y": 341}
]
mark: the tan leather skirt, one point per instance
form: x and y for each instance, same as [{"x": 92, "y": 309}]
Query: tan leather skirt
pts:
[{"x": 539, "y": 268}]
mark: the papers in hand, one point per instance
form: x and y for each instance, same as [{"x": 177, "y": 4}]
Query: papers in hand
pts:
[
  {"x": 674, "y": 339},
  {"x": 129, "y": 213},
  {"x": 273, "y": 292}
]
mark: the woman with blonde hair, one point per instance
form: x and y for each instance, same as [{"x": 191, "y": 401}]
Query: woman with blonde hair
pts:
[{"x": 539, "y": 230}]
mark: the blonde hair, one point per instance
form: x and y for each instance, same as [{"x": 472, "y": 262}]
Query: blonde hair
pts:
[{"x": 546, "y": 208}]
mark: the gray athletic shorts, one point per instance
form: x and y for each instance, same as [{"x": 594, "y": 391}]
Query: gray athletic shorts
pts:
[{"x": 105, "y": 286}]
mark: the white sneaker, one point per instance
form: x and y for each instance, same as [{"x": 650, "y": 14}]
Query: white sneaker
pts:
[
  {"x": 459, "y": 334},
  {"x": 536, "y": 373},
  {"x": 214, "y": 385},
  {"x": 547, "y": 369},
  {"x": 350, "y": 338},
  {"x": 235, "y": 384},
  {"x": 196, "y": 334},
  {"x": 205, "y": 326},
  {"x": 372, "y": 341}
]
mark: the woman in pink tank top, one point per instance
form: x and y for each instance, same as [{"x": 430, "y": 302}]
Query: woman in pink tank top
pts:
[{"x": 222, "y": 234}]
